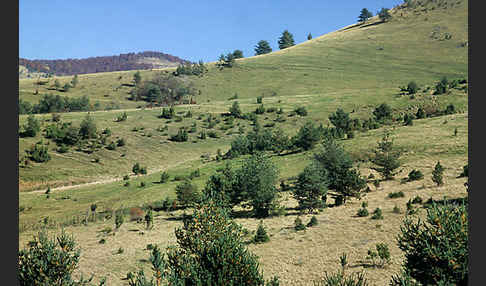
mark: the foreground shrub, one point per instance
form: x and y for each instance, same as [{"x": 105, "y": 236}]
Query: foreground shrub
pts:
[
  {"x": 49, "y": 261},
  {"x": 209, "y": 251},
  {"x": 340, "y": 279},
  {"x": 436, "y": 250},
  {"x": 381, "y": 256}
]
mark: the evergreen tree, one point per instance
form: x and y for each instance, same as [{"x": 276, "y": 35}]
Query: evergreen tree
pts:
[
  {"x": 309, "y": 37},
  {"x": 187, "y": 193},
  {"x": 310, "y": 187},
  {"x": 364, "y": 15},
  {"x": 137, "y": 78},
  {"x": 256, "y": 182},
  {"x": 386, "y": 157},
  {"x": 263, "y": 47},
  {"x": 383, "y": 112},
  {"x": 384, "y": 14},
  {"x": 87, "y": 128},
  {"x": 286, "y": 40},
  {"x": 342, "y": 178},
  {"x": 412, "y": 87},
  {"x": 341, "y": 120},
  {"x": 437, "y": 174},
  {"x": 281, "y": 141},
  {"x": 237, "y": 54},
  {"x": 261, "y": 235},
  {"x": 32, "y": 127},
  {"x": 420, "y": 113},
  {"x": 307, "y": 137},
  {"x": 235, "y": 110}
]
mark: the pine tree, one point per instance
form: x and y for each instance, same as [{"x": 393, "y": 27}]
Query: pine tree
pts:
[
  {"x": 286, "y": 40},
  {"x": 235, "y": 110},
  {"x": 437, "y": 174},
  {"x": 386, "y": 157},
  {"x": 384, "y": 14},
  {"x": 309, "y": 37},
  {"x": 137, "y": 78},
  {"x": 364, "y": 15},
  {"x": 310, "y": 188},
  {"x": 263, "y": 47},
  {"x": 261, "y": 235}
]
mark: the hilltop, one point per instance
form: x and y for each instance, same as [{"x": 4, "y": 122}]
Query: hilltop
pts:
[{"x": 122, "y": 62}]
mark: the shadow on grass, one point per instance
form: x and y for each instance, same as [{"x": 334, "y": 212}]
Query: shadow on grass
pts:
[{"x": 371, "y": 24}]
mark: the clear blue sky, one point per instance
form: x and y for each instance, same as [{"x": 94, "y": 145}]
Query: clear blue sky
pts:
[{"x": 192, "y": 30}]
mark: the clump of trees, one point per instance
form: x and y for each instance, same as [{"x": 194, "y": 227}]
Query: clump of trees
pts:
[
  {"x": 197, "y": 69},
  {"x": 164, "y": 89},
  {"x": 384, "y": 14},
  {"x": 31, "y": 128},
  {"x": 228, "y": 61},
  {"x": 55, "y": 103}
]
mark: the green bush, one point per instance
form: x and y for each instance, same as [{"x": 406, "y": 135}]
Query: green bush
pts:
[
  {"x": 381, "y": 256},
  {"x": 120, "y": 142},
  {"x": 415, "y": 175},
  {"x": 49, "y": 261},
  {"x": 412, "y": 87},
  {"x": 394, "y": 195},
  {"x": 259, "y": 99},
  {"x": 313, "y": 221},
  {"x": 298, "y": 225},
  {"x": 362, "y": 212},
  {"x": 301, "y": 111},
  {"x": 181, "y": 135},
  {"x": 31, "y": 128},
  {"x": 340, "y": 279},
  {"x": 377, "y": 214},
  {"x": 417, "y": 200},
  {"x": 164, "y": 177},
  {"x": 111, "y": 146},
  {"x": 187, "y": 193},
  {"x": 261, "y": 234},
  {"x": 442, "y": 86},
  {"x": 436, "y": 250},
  {"x": 260, "y": 109},
  {"x": 38, "y": 153}
]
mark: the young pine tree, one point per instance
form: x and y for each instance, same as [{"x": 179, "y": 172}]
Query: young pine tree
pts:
[
  {"x": 437, "y": 174},
  {"x": 263, "y": 47},
  {"x": 286, "y": 40},
  {"x": 261, "y": 235},
  {"x": 386, "y": 157}
]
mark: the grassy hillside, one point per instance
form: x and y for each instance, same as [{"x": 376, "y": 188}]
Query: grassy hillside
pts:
[{"x": 356, "y": 68}]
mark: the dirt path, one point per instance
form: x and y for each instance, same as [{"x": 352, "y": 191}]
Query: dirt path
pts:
[{"x": 110, "y": 180}]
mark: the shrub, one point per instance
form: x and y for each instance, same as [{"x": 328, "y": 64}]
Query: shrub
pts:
[
  {"x": 38, "y": 153},
  {"x": 382, "y": 254},
  {"x": 377, "y": 214},
  {"x": 271, "y": 109},
  {"x": 415, "y": 175},
  {"x": 436, "y": 250},
  {"x": 310, "y": 187},
  {"x": 408, "y": 120},
  {"x": 441, "y": 86},
  {"x": 362, "y": 212},
  {"x": 307, "y": 136},
  {"x": 136, "y": 168},
  {"x": 313, "y": 221},
  {"x": 118, "y": 219},
  {"x": 120, "y": 142},
  {"x": 87, "y": 128},
  {"x": 301, "y": 111},
  {"x": 187, "y": 193},
  {"x": 213, "y": 134},
  {"x": 235, "y": 110},
  {"x": 298, "y": 225},
  {"x": 210, "y": 251},
  {"x": 397, "y": 210},
  {"x": 383, "y": 112},
  {"x": 181, "y": 135},
  {"x": 49, "y": 261},
  {"x": 142, "y": 184},
  {"x": 164, "y": 177},
  {"x": 340, "y": 279},
  {"x": 465, "y": 171},
  {"x": 260, "y": 109},
  {"x": 394, "y": 195},
  {"x": 259, "y": 99},
  {"x": 437, "y": 174},
  {"x": 149, "y": 219},
  {"x": 412, "y": 87},
  {"x": 111, "y": 146},
  {"x": 417, "y": 200},
  {"x": 450, "y": 109},
  {"x": 420, "y": 113},
  {"x": 386, "y": 157},
  {"x": 31, "y": 128},
  {"x": 261, "y": 234}
]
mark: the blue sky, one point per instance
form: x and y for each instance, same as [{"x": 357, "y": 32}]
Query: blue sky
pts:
[{"x": 192, "y": 30}]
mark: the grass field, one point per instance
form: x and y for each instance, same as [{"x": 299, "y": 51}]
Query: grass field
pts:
[{"x": 355, "y": 68}]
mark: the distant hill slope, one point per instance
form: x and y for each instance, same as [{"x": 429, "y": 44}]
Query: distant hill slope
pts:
[{"x": 122, "y": 62}]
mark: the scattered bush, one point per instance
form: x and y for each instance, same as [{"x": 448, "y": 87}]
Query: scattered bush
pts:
[
  {"x": 397, "y": 210},
  {"x": 298, "y": 225},
  {"x": 181, "y": 135},
  {"x": 187, "y": 193},
  {"x": 412, "y": 87},
  {"x": 164, "y": 177},
  {"x": 417, "y": 200},
  {"x": 261, "y": 234},
  {"x": 259, "y": 99},
  {"x": 362, "y": 212},
  {"x": 381, "y": 256},
  {"x": 38, "y": 153},
  {"x": 340, "y": 279},
  {"x": 260, "y": 109},
  {"x": 301, "y": 111},
  {"x": 394, "y": 195},
  {"x": 121, "y": 117},
  {"x": 415, "y": 175},
  {"x": 377, "y": 214},
  {"x": 313, "y": 221}
]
